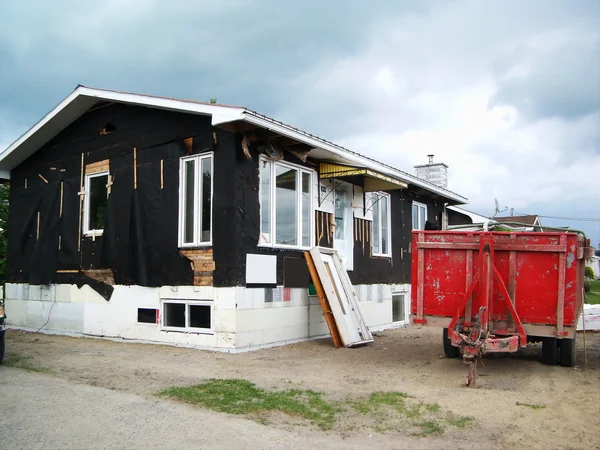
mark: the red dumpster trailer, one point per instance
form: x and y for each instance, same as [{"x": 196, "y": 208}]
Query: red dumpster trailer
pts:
[{"x": 497, "y": 291}]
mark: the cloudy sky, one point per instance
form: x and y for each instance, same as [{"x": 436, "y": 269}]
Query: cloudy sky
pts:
[{"x": 507, "y": 93}]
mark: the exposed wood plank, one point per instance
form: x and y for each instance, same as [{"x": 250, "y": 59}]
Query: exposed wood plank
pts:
[
  {"x": 67, "y": 271},
  {"x": 329, "y": 319},
  {"x": 189, "y": 144},
  {"x": 162, "y": 174},
  {"x": 80, "y": 203},
  {"x": 100, "y": 166},
  {"x": 42, "y": 177},
  {"x": 134, "y": 168}
]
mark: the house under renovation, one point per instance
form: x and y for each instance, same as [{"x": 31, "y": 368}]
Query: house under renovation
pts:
[{"x": 164, "y": 220}]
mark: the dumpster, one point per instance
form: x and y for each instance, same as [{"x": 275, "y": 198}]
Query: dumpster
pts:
[{"x": 498, "y": 291}]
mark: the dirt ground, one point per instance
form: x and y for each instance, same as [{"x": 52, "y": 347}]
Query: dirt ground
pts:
[{"x": 407, "y": 360}]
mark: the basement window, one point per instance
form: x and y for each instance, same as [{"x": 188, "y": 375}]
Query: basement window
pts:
[
  {"x": 195, "y": 201},
  {"x": 381, "y": 225},
  {"x": 96, "y": 202},
  {"x": 147, "y": 315},
  {"x": 286, "y": 205},
  {"x": 399, "y": 308},
  {"x": 181, "y": 315},
  {"x": 419, "y": 216}
]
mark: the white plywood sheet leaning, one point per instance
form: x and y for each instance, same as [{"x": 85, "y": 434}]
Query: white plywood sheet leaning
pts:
[{"x": 341, "y": 296}]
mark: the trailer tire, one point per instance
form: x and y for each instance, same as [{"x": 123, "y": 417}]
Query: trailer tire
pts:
[
  {"x": 549, "y": 351},
  {"x": 449, "y": 350},
  {"x": 567, "y": 352}
]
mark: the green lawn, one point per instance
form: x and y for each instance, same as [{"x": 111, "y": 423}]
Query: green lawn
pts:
[{"x": 593, "y": 297}]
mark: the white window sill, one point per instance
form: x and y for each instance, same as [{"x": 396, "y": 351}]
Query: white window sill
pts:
[
  {"x": 188, "y": 330},
  {"x": 284, "y": 247},
  {"x": 203, "y": 244},
  {"x": 379, "y": 255}
]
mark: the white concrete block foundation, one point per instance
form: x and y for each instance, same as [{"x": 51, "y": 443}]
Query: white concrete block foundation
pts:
[{"x": 241, "y": 318}]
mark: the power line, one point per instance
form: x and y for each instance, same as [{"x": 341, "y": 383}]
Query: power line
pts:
[{"x": 579, "y": 219}]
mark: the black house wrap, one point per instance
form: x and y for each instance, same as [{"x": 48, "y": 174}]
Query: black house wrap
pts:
[{"x": 139, "y": 244}]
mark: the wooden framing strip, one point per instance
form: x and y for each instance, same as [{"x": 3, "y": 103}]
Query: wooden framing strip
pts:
[
  {"x": 25, "y": 182},
  {"x": 38, "y": 227},
  {"x": 80, "y": 204},
  {"x": 42, "y": 177},
  {"x": 161, "y": 174},
  {"x": 67, "y": 271},
  {"x": 62, "y": 193},
  {"x": 189, "y": 144},
  {"x": 333, "y": 329},
  {"x": 134, "y": 168},
  {"x": 100, "y": 166}
]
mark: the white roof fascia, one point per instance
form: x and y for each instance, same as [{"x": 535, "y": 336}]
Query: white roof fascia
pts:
[
  {"x": 39, "y": 125},
  {"x": 360, "y": 160},
  {"x": 219, "y": 114},
  {"x": 476, "y": 218}
]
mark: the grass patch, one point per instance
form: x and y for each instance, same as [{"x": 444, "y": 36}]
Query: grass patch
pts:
[
  {"x": 459, "y": 421},
  {"x": 234, "y": 396},
  {"x": 593, "y": 297},
  {"x": 21, "y": 362},
  {"x": 532, "y": 405},
  {"x": 385, "y": 411},
  {"x": 429, "y": 427}
]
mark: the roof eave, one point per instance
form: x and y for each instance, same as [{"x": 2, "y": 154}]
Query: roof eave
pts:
[{"x": 363, "y": 161}]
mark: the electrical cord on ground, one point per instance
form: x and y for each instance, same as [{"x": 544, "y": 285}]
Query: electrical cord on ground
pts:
[{"x": 48, "y": 319}]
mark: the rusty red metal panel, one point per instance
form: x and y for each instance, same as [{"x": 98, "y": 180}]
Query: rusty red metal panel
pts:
[{"x": 534, "y": 267}]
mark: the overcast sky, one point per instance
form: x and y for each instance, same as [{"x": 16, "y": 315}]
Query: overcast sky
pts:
[{"x": 507, "y": 93}]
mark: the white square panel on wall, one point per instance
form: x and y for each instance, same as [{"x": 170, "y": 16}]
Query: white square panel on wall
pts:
[{"x": 261, "y": 269}]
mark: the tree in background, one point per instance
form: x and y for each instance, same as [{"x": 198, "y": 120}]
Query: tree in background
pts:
[{"x": 4, "y": 189}]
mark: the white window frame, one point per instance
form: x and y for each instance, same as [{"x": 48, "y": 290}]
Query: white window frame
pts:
[
  {"x": 86, "y": 202},
  {"x": 198, "y": 194},
  {"x": 419, "y": 205},
  {"x": 406, "y": 308},
  {"x": 378, "y": 197},
  {"x": 273, "y": 211},
  {"x": 187, "y": 328}
]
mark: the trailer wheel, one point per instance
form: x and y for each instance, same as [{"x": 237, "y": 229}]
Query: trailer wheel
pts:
[
  {"x": 567, "y": 352},
  {"x": 549, "y": 351},
  {"x": 449, "y": 350}
]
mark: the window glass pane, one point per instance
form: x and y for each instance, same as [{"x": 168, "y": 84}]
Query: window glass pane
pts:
[
  {"x": 206, "y": 196},
  {"x": 376, "y": 225},
  {"x": 98, "y": 202},
  {"x": 265, "y": 202},
  {"x": 286, "y": 205},
  {"x": 306, "y": 209},
  {"x": 415, "y": 217},
  {"x": 384, "y": 225},
  {"x": 398, "y": 308},
  {"x": 189, "y": 202},
  {"x": 174, "y": 315},
  {"x": 199, "y": 316},
  {"x": 421, "y": 218}
]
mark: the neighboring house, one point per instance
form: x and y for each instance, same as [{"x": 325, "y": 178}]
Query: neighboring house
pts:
[
  {"x": 594, "y": 263},
  {"x": 182, "y": 222}
]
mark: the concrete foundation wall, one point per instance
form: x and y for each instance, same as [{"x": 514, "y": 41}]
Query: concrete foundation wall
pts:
[{"x": 242, "y": 318}]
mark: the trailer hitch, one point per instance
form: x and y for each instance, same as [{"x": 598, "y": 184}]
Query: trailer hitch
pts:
[{"x": 472, "y": 341}]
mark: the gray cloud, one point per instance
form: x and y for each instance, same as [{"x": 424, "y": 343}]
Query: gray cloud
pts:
[{"x": 560, "y": 82}]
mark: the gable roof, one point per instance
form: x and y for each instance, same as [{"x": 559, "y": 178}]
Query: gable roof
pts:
[
  {"x": 530, "y": 219},
  {"x": 83, "y": 98}
]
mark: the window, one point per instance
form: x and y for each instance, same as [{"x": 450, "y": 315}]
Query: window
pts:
[
  {"x": 147, "y": 315},
  {"x": 195, "y": 201},
  {"x": 381, "y": 224},
  {"x": 398, "y": 307},
  {"x": 179, "y": 315},
  {"x": 96, "y": 202},
  {"x": 286, "y": 212},
  {"x": 419, "y": 216}
]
